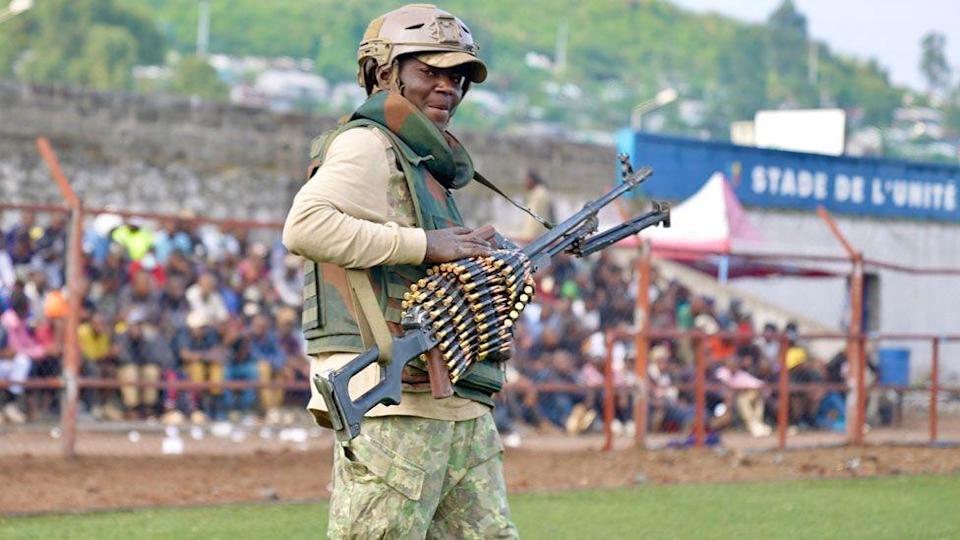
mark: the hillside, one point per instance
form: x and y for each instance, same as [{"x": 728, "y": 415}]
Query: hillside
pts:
[
  {"x": 576, "y": 65},
  {"x": 619, "y": 52}
]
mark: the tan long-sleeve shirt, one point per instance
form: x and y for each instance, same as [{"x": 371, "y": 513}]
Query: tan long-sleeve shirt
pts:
[{"x": 351, "y": 214}]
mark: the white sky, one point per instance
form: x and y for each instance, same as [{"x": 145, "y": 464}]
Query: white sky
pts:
[{"x": 888, "y": 30}]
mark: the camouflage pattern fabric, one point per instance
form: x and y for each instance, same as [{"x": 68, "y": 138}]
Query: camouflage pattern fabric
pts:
[
  {"x": 450, "y": 163},
  {"x": 410, "y": 477}
]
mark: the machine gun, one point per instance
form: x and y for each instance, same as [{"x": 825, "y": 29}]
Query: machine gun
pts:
[{"x": 463, "y": 312}]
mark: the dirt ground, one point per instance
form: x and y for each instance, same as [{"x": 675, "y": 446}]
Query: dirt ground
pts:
[{"x": 117, "y": 470}]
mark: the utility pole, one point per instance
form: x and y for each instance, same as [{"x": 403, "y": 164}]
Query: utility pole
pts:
[
  {"x": 560, "y": 56},
  {"x": 203, "y": 28}
]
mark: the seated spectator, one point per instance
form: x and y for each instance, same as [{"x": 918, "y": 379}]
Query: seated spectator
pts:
[
  {"x": 669, "y": 412},
  {"x": 804, "y": 403},
  {"x": 149, "y": 265},
  {"x": 26, "y": 228},
  {"x": 15, "y": 368},
  {"x": 173, "y": 237},
  {"x": 8, "y": 276},
  {"x": 241, "y": 366},
  {"x": 201, "y": 357},
  {"x": 179, "y": 266},
  {"x": 747, "y": 393},
  {"x": 271, "y": 361},
  {"x": 135, "y": 237},
  {"x": 20, "y": 338},
  {"x": 143, "y": 295},
  {"x": 288, "y": 281},
  {"x": 99, "y": 362},
  {"x": 50, "y": 249},
  {"x": 173, "y": 305},
  {"x": 768, "y": 344},
  {"x": 205, "y": 299},
  {"x": 141, "y": 356}
]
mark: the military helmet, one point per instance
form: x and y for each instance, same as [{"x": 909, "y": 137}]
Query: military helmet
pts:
[{"x": 437, "y": 37}]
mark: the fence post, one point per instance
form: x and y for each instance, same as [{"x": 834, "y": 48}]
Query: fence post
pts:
[
  {"x": 642, "y": 346},
  {"x": 934, "y": 388},
  {"x": 700, "y": 395},
  {"x": 783, "y": 396},
  {"x": 855, "y": 360},
  {"x": 71, "y": 350},
  {"x": 608, "y": 394},
  {"x": 71, "y": 353}
]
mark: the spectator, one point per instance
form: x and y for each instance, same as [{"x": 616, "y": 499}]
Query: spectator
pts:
[
  {"x": 804, "y": 404},
  {"x": 174, "y": 306},
  {"x": 288, "y": 281},
  {"x": 99, "y": 362},
  {"x": 201, "y": 357},
  {"x": 241, "y": 366},
  {"x": 271, "y": 361},
  {"x": 143, "y": 294},
  {"x": 142, "y": 357},
  {"x": 173, "y": 237},
  {"x": 538, "y": 200},
  {"x": 769, "y": 345},
  {"x": 747, "y": 393},
  {"x": 19, "y": 337},
  {"x": 14, "y": 368},
  {"x": 135, "y": 237},
  {"x": 8, "y": 276},
  {"x": 149, "y": 265},
  {"x": 105, "y": 292},
  {"x": 206, "y": 299},
  {"x": 50, "y": 249},
  {"x": 296, "y": 364},
  {"x": 26, "y": 229},
  {"x": 179, "y": 266}
]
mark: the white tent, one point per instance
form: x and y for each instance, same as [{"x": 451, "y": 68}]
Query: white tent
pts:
[{"x": 711, "y": 220}]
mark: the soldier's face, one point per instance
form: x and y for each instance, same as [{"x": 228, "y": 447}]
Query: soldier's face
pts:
[{"x": 435, "y": 91}]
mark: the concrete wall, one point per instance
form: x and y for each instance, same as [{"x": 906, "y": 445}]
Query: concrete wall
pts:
[
  {"x": 909, "y": 303},
  {"x": 162, "y": 153}
]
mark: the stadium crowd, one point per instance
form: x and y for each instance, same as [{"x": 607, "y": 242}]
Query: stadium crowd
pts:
[
  {"x": 174, "y": 301},
  {"x": 177, "y": 300}
]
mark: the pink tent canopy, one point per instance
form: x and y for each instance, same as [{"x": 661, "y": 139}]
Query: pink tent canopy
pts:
[
  {"x": 712, "y": 220},
  {"x": 708, "y": 228}
]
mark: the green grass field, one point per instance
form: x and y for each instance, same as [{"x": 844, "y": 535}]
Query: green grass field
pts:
[{"x": 899, "y": 507}]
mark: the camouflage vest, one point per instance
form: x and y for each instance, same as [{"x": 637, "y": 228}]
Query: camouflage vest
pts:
[{"x": 329, "y": 314}]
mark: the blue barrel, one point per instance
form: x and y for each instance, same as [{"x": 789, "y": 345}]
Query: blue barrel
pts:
[{"x": 894, "y": 364}]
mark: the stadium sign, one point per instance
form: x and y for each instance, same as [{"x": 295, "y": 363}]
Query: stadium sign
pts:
[{"x": 764, "y": 178}]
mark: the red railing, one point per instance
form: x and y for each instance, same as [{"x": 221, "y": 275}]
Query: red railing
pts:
[{"x": 71, "y": 382}]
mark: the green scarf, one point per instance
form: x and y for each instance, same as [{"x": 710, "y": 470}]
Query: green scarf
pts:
[{"x": 445, "y": 157}]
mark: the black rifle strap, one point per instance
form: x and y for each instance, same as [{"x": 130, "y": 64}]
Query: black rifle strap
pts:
[{"x": 482, "y": 179}]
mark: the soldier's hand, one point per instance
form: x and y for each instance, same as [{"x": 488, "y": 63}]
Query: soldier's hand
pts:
[{"x": 445, "y": 245}]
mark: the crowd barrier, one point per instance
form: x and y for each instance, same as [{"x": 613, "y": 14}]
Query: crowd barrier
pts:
[{"x": 71, "y": 383}]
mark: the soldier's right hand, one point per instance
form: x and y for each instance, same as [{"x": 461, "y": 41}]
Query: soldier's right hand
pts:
[{"x": 445, "y": 245}]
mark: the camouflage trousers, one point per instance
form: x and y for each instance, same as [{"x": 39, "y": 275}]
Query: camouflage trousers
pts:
[{"x": 411, "y": 477}]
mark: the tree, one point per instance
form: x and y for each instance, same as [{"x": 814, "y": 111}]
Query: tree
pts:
[
  {"x": 194, "y": 76},
  {"x": 86, "y": 42},
  {"x": 787, "y": 56},
  {"x": 933, "y": 63},
  {"x": 105, "y": 61}
]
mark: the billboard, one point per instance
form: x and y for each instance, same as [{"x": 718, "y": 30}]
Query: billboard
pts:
[
  {"x": 818, "y": 131},
  {"x": 765, "y": 178}
]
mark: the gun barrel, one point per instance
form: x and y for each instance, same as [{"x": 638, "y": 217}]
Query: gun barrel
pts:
[{"x": 590, "y": 209}]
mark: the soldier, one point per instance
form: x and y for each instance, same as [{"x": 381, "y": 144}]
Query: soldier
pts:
[{"x": 378, "y": 204}]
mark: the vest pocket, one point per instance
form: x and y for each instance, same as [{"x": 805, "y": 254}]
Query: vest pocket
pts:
[{"x": 313, "y": 315}]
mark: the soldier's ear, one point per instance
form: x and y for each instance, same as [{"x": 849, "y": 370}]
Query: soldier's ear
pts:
[{"x": 383, "y": 76}]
